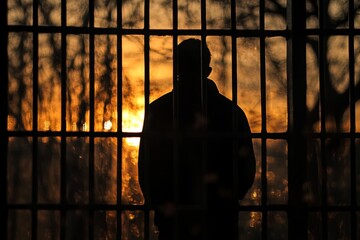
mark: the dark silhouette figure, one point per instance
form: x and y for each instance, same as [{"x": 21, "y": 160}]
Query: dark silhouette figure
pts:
[{"x": 196, "y": 158}]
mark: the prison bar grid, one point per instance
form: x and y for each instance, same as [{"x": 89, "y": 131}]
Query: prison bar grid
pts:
[{"x": 294, "y": 136}]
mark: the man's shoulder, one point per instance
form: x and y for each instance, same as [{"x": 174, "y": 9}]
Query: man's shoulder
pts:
[
  {"x": 227, "y": 106},
  {"x": 219, "y": 100},
  {"x": 163, "y": 102}
]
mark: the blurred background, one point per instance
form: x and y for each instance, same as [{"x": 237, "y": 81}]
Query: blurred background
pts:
[{"x": 79, "y": 77}]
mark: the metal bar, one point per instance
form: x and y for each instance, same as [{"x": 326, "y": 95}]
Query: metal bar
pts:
[
  {"x": 270, "y": 135},
  {"x": 175, "y": 67},
  {"x": 190, "y": 32},
  {"x": 3, "y": 117},
  {"x": 203, "y": 18},
  {"x": 146, "y": 34},
  {"x": 119, "y": 136},
  {"x": 353, "y": 184},
  {"x": 234, "y": 118},
  {"x": 91, "y": 123},
  {"x": 169, "y": 32},
  {"x": 204, "y": 112},
  {"x": 264, "y": 228},
  {"x": 63, "y": 200},
  {"x": 203, "y": 39},
  {"x": 297, "y": 111},
  {"x": 176, "y": 176},
  {"x": 322, "y": 61},
  {"x": 34, "y": 212},
  {"x": 99, "y": 206}
]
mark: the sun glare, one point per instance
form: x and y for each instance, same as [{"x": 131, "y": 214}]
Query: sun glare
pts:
[
  {"x": 107, "y": 125},
  {"x": 132, "y": 122}
]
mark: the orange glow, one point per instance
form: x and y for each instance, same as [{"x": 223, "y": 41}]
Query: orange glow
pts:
[
  {"x": 133, "y": 121},
  {"x": 106, "y": 89}
]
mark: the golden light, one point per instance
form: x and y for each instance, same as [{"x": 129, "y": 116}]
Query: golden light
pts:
[
  {"x": 254, "y": 195},
  {"x": 107, "y": 125},
  {"x": 46, "y": 125},
  {"x": 85, "y": 127},
  {"x": 132, "y": 122},
  {"x": 255, "y": 219}
]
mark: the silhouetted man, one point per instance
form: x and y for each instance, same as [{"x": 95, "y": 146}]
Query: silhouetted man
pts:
[{"x": 196, "y": 158}]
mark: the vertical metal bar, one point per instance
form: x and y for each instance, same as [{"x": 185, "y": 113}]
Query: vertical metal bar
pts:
[
  {"x": 35, "y": 120},
  {"x": 297, "y": 152},
  {"x": 147, "y": 89},
  {"x": 263, "y": 121},
  {"x": 147, "y": 51},
  {"x": 175, "y": 62},
  {"x": 322, "y": 75},
  {"x": 233, "y": 53},
  {"x": 203, "y": 17},
  {"x": 119, "y": 122},
  {"x": 63, "y": 123},
  {"x": 235, "y": 117},
  {"x": 175, "y": 117},
  {"x": 175, "y": 66},
  {"x": 175, "y": 18},
  {"x": 204, "y": 104},
  {"x": 204, "y": 142},
  {"x": 176, "y": 176},
  {"x": 203, "y": 39},
  {"x": 352, "y": 96},
  {"x": 3, "y": 116},
  {"x": 91, "y": 123}
]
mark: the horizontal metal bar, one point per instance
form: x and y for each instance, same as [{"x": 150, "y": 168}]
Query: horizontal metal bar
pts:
[
  {"x": 163, "y": 32},
  {"x": 75, "y": 207},
  {"x": 158, "y": 32},
  {"x": 284, "y": 207},
  {"x": 71, "y": 134},
  {"x": 280, "y": 135},
  {"x": 126, "y": 207}
]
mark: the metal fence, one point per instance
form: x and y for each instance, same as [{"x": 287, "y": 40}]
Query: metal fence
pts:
[{"x": 76, "y": 77}]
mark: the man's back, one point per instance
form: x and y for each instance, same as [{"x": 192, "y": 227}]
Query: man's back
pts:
[
  {"x": 191, "y": 165},
  {"x": 196, "y": 159}
]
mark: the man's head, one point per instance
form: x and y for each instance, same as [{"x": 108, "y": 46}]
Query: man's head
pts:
[{"x": 192, "y": 57}]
